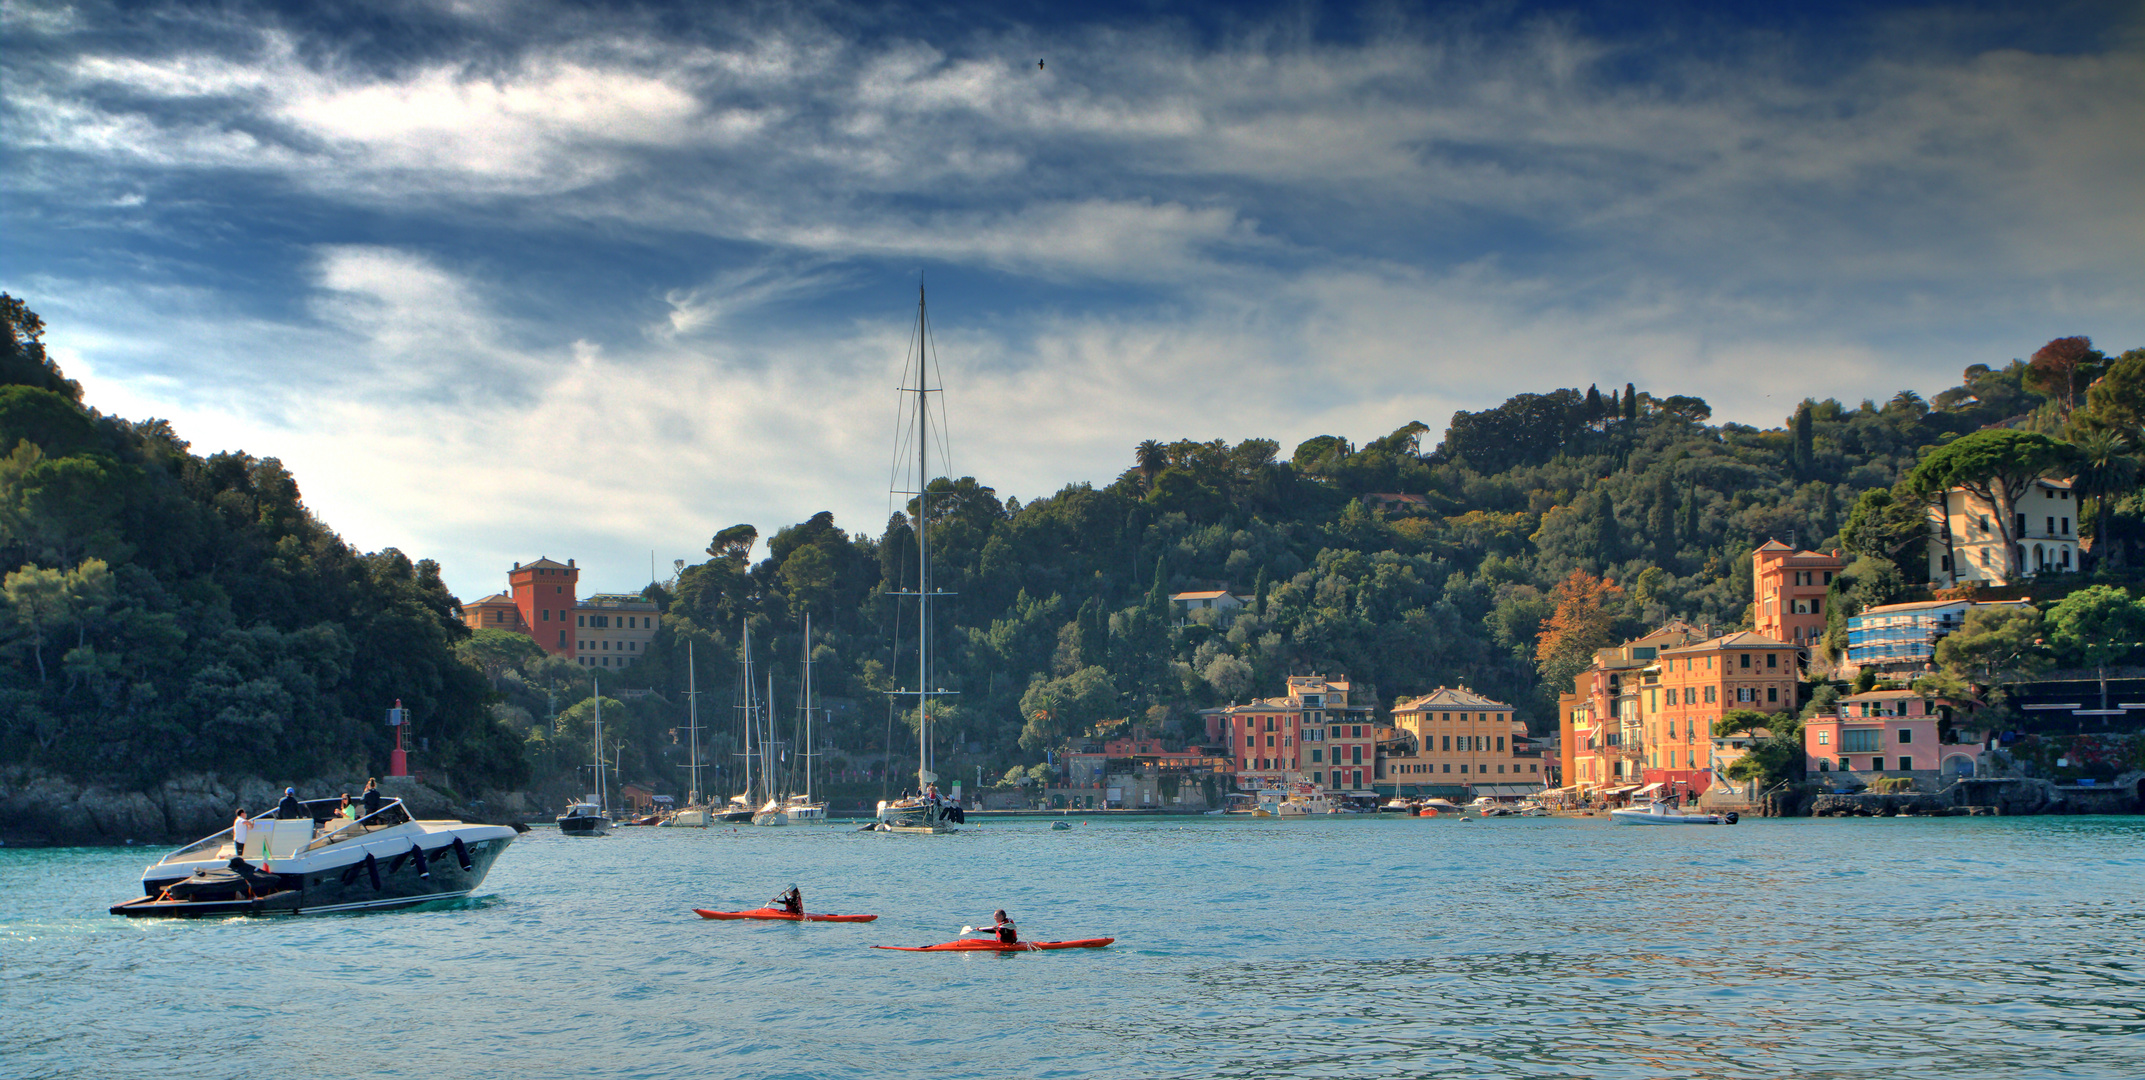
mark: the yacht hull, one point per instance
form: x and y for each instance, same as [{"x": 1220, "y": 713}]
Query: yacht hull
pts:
[{"x": 331, "y": 882}]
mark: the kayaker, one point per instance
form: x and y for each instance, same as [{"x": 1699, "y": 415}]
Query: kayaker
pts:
[
  {"x": 1003, "y": 927},
  {"x": 791, "y": 901}
]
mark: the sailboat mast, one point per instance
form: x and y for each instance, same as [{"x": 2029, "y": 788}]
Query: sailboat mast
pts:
[
  {"x": 746, "y": 689},
  {"x": 923, "y": 543},
  {"x": 767, "y": 731},
  {"x": 805, "y": 696},
  {"x": 692, "y": 712},
  {"x": 602, "y": 804}
]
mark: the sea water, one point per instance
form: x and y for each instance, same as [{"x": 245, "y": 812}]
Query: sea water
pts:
[{"x": 1346, "y": 947}]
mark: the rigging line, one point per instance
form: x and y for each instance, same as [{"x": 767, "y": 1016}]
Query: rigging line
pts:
[{"x": 945, "y": 458}]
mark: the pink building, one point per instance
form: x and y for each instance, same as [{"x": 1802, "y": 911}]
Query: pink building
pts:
[{"x": 1885, "y": 731}]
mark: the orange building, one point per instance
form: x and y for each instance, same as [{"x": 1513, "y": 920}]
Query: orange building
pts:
[
  {"x": 1790, "y": 587},
  {"x": 544, "y": 592},
  {"x": 1601, "y": 723},
  {"x": 1692, "y": 686},
  {"x": 494, "y": 612}
]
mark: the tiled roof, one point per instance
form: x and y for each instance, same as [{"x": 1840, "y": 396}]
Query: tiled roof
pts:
[
  {"x": 1743, "y": 639},
  {"x": 1450, "y": 698}
]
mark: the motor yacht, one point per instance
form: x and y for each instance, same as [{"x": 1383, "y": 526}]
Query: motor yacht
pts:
[
  {"x": 322, "y": 863},
  {"x": 584, "y": 819},
  {"x": 1662, "y": 812}
]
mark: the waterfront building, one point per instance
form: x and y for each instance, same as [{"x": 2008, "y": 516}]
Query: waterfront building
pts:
[
  {"x": 1601, "y": 723},
  {"x": 1790, "y": 587},
  {"x": 1315, "y": 732},
  {"x": 1903, "y": 637},
  {"x": 1966, "y": 543},
  {"x": 1690, "y": 687},
  {"x": 1453, "y": 737},
  {"x": 1888, "y": 732},
  {"x": 603, "y": 630}
]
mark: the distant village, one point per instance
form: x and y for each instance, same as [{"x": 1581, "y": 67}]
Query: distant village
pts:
[{"x": 1643, "y": 721}]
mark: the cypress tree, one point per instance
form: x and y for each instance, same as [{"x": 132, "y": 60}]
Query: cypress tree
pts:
[
  {"x": 1631, "y": 402},
  {"x": 1594, "y": 408},
  {"x": 1805, "y": 442}
]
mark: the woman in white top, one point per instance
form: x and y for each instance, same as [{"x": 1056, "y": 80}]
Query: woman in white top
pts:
[{"x": 240, "y": 828}]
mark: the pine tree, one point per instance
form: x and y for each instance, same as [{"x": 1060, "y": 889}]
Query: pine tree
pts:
[{"x": 1661, "y": 520}]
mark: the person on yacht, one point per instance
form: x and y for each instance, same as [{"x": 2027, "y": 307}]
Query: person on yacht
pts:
[
  {"x": 289, "y": 808},
  {"x": 791, "y": 901},
  {"x": 372, "y": 795},
  {"x": 346, "y": 811},
  {"x": 1003, "y": 927},
  {"x": 241, "y": 828}
]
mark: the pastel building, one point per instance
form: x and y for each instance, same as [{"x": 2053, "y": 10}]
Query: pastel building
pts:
[
  {"x": 1313, "y": 734},
  {"x": 1602, "y": 722},
  {"x": 2044, "y": 531},
  {"x": 1454, "y": 737},
  {"x": 1885, "y": 731},
  {"x": 1691, "y": 687},
  {"x": 1790, "y": 587}
]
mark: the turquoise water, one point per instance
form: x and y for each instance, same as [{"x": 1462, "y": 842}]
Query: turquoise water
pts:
[{"x": 1961, "y": 947}]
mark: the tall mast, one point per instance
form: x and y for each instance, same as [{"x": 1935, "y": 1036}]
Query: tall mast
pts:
[
  {"x": 692, "y": 707},
  {"x": 805, "y": 696},
  {"x": 602, "y": 804},
  {"x": 746, "y": 690},
  {"x": 767, "y": 732},
  {"x": 923, "y": 544}
]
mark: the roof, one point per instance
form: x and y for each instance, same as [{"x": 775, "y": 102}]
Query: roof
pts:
[
  {"x": 616, "y": 600},
  {"x": 544, "y": 562},
  {"x": 1450, "y": 698},
  {"x": 1928, "y": 605},
  {"x": 495, "y": 598},
  {"x": 1742, "y": 639},
  {"x": 1202, "y": 594},
  {"x": 1882, "y": 695}
]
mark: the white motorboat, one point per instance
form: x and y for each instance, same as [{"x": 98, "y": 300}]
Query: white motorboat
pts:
[
  {"x": 1661, "y": 812},
  {"x": 771, "y": 814},
  {"x": 320, "y": 863},
  {"x": 918, "y": 814},
  {"x": 803, "y": 811}
]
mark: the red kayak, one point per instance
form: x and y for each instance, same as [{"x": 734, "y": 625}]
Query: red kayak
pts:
[
  {"x": 994, "y": 945},
  {"x": 778, "y": 913}
]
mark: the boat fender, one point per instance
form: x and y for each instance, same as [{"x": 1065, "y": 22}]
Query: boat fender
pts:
[
  {"x": 350, "y": 872},
  {"x": 424, "y": 865},
  {"x": 461, "y": 855},
  {"x": 372, "y": 870},
  {"x": 1734, "y": 817}
]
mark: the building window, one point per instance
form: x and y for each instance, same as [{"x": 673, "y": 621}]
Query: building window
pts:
[
  {"x": 562, "y": 639},
  {"x": 1858, "y": 741},
  {"x": 1448, "y": 744},
  {"x": 1709, "y": 695},
  {"x": 1463, "y": 766},
  {"x": 1906, "y": 764},
  {"x": 1448, "y": 766},
  {"x": 1772, "y": 693},
  {"x": 547, "y": 614},
  {"x": 1690, "y": 695},
  {"x": 580, "y": 620},
  {"x": 1500, "y": 746},
  {"x": 1906, "y": 735},
  {"x": 1317, "y": 755},
  {"x": 1746, "y": 661}
]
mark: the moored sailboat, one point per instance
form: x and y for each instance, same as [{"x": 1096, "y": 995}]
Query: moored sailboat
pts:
[{"x": 926, "y": 811}]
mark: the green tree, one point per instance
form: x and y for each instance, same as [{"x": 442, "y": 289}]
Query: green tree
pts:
[
  {"x": 1892, "y": 525},
  {"x": 1998, "y": 467},
  {"x": 1996, "y": 645},
  {"x": 495, "y": 652},
  {"x": 2106, "y": 471},
  {"x": 2097, "y": 626}
]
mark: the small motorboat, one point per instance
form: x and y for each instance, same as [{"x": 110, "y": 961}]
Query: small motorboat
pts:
[
  {"x": 1665, "y": 813},
  {"x": 780, "y": 915},
  {"x": 994, "y": 945},
  {"x": 1446, "y": 806},
  {"x": 584, "y": 819},
  {"x": 1060, "y": 825}
]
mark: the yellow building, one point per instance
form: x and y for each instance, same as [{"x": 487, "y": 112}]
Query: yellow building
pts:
[{"x": 1455, "y": 736}]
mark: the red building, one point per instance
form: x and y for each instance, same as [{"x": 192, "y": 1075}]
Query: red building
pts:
[{"x": 544, "y": 594}]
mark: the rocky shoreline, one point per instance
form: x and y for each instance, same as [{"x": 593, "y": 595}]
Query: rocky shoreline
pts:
[{"x": 39, "y": 808}]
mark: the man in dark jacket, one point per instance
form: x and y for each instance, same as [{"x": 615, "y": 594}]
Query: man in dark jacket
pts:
[
  {"x": 289, "y": 808},
  {"x": 372, "y": 796}
]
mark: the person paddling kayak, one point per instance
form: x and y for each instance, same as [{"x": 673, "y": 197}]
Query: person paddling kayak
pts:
[
  {"x": 791, "y": 901},
  {"x": 1003, "y": 927}
]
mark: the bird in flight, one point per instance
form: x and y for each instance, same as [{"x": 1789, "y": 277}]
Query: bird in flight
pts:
[{"x": 1038, "y": 65}]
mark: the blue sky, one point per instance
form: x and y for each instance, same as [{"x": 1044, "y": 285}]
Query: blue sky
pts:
[{"x": 504, "y": 280}]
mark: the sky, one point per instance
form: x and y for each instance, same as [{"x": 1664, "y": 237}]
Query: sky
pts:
[{"x": 507, "y": 280}]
